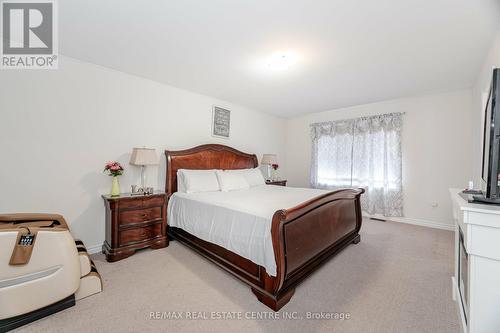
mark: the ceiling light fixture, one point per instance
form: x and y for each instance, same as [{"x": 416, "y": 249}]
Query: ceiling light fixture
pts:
[{"x": 282, "y": 60}]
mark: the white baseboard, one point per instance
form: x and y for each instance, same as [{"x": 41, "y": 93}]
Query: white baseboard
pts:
[
  {"x": 94, "y": 249},
  {"x": 420, "y": 222}
]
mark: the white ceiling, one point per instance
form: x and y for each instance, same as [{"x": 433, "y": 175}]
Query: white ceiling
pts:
[{"x": 351, "y": 51}]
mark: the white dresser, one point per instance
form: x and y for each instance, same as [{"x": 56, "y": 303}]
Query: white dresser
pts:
[{"x": 476, "y": 282}]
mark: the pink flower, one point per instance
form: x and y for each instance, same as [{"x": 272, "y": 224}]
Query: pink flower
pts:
[{"x": 114, "y": 168}]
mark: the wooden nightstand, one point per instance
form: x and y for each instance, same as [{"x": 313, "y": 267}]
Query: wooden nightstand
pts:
[
  {"x": 276, "y": 182},
  {"x": 133, "y": 223}
]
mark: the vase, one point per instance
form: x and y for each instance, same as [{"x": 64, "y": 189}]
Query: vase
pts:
[
  {"x": 274, "y": 174},
  {"x": 115, "y": 187}
]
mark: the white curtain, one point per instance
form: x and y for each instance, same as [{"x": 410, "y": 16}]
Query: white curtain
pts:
[{"x": 363, "y": 152}]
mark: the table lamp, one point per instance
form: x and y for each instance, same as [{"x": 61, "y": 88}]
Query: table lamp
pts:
[
  {"x": 143, "y": 157},
  {"x": 268, "y": 160}
]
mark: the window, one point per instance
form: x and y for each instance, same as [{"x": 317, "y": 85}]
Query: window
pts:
[{"x": 363, "y": 152}]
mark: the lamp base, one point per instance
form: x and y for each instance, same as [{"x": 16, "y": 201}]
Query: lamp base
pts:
[
  {"x": 266, "y": 171},
  {"x": 143, "y": 176}
]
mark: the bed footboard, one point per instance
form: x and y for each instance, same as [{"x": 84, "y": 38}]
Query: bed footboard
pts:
[{"x": 306, "y": 236}]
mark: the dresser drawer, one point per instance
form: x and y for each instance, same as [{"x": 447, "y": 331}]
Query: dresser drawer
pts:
[
  {"x": 140, "y": 234},
  {"x": 138, "y": 216},
  {"x": 142, "y": 202}
]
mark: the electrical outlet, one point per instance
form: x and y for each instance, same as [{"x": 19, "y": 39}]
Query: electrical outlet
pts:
[{"x": 434, "y": 204}]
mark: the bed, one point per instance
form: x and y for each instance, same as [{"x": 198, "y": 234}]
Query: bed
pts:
[{"x": 286, "y": 244}]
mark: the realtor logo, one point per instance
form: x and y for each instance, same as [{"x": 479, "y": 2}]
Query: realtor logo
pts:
[{"x": 29, "y": 35}]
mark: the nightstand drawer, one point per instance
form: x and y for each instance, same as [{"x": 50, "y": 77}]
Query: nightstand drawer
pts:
[
  {"x": 142, "y": 202},
  {"x": 140, "y": 234},
  {"x": 138, "y": 216}
]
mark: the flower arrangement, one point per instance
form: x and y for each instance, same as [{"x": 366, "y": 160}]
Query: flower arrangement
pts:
[
  {"x": 114, "y": 168},
  {"x": 274, "y": 171}
]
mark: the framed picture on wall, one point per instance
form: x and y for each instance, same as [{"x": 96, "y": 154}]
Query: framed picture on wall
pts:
[{"x": 221, "y": 122}]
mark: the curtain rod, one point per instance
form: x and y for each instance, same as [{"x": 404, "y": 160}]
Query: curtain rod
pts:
[{"x": 363, "y": 117}]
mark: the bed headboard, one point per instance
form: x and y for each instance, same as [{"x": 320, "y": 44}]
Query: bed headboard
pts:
[{"x": 211, "y": 156}]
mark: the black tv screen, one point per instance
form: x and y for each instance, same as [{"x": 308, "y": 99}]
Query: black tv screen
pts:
[
  {"x": 491, "y": 142},
  {"x": 486, "y": 139}
]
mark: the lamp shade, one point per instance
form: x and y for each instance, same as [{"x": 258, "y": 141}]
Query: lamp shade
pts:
[
  {"x": 143, "y": 156},
  {"x": 269, "y": 159}
]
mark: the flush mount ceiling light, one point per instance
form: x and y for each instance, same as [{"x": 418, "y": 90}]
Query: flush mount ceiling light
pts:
[{"x": 283, "y": 60}]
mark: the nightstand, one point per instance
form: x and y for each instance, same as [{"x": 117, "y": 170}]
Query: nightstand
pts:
[
  {"x": 133, "y": 223},
  {"x": 276, "y": 182}
]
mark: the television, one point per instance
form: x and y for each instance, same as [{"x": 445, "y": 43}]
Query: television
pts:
[{"x": 490, "y": 184}]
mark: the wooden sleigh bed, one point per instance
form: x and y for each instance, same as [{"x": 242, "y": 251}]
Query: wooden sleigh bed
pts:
[{"x": 303, "y": 237}]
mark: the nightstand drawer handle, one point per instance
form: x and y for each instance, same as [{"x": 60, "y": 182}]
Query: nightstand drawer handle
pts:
[
  {"x": 146, "y": 234},
  {"x": 144, "y": 215}
]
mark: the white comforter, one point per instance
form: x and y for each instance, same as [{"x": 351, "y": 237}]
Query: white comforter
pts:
[{"x": 239, "y": 221}]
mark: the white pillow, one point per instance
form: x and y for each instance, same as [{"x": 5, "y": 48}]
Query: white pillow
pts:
[
  {"x": 180, "y": 182},
  {"x": 253, "y": 177},
  {"x": 199, "y": 180},
  {"x": 229, "y": 181}
]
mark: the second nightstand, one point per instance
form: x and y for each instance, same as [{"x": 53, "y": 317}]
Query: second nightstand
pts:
[
  {"x": 134, "y": 222},
  {"x": 276, "y": 182}
]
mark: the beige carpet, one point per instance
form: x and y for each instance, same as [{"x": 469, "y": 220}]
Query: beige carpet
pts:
[{"x": 396, "y": 280}]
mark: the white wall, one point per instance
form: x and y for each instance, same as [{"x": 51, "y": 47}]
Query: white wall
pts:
[
  {"x": 58, "y": 128},
  {"x": 436, "y": 149},
  {"x": 480, "y": 94}
]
